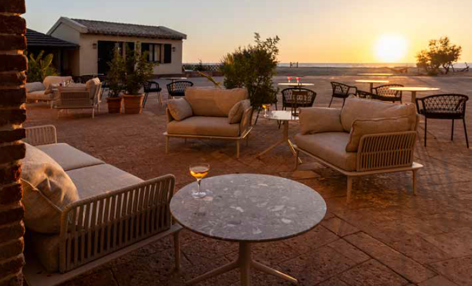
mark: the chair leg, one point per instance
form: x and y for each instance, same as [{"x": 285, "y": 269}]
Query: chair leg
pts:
[
  {"x": 425, "y": 130},
  {"x": 237, "y": 148},
  {"x": 349, "y": 189},
  {"x": 297, "y": 160},
  {"x": 465, "y": 132},
  {"x": 414, "y": 182},
  {"x": 159, "y": 98},
  {"x": 177, "y": 250},
  {"x": 344, "y": 101},
  {"x": 452, "y": 131},
  {"x": 145, "y": 99},
  {"x": 331, "y": 102}
]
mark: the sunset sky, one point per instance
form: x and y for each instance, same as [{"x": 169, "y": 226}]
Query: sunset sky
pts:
[{"x": 319, "y": 31}]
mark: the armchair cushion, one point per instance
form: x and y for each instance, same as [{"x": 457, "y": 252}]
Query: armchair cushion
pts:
[
  {"x": 39, "y": 95},
  {"x": 320, "y": 119},
  {"x": 329, "y": 146},
  {"x": 236, "y": 113},
  {"x": 92, "y": 85},
  {"x": 47, "y": 191},
  {"x": 215, "y": 102},
  {"x": 356, "y": 108},
  {"x": 179, "y": 109},
  {"x": 68, "y": 157},
  {"x": 375, "y": 126},
  {"x": 204, "y": 126},
  {"x": 34, "y": 86}
]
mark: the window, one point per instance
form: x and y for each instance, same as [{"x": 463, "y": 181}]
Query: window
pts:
[{"x": 154, "y": 52}]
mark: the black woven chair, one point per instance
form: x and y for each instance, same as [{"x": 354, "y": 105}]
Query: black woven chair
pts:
[
  {"x": 151, "y": 86},
  {"x": 305, "y": 98},
  {"x": 386, "y": 94},
  {"x": 341, "y": 90},
  {"x": 177, "y": 88},
  {"x": 443, "y": 106}
]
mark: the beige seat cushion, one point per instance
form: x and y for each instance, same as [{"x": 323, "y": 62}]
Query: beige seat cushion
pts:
[
  {"x": 329, "y": 146},
  {"x": 356, "y": 108},
  {"x": 320, "y": 119},
  {"x": 376, "y": 126},
  {"x": 100, "y": 179},
  {"x": 68, "y": 157},
  {"x": 237, "y": 111},
  {"x": 204, "y": 126},
  {"x": 39, "y": 95},
  {"x": 34, "y": 86},
  {"x": 179, "y": 108},
  {"x": 213, "y": 101},
  {"x": 47, "y": 191}
]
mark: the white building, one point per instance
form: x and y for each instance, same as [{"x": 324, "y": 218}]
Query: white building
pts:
[{"x": 97, "y": 40}]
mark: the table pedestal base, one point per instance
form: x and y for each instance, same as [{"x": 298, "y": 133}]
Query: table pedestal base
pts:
[
  {"x": 244, "y": 262},
  {"x": 284, "y": 140}
]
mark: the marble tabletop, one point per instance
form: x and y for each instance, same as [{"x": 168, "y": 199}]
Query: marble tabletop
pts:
[
  {"x": 282, "y": 115},
  {"x": 249, "y": 208}
]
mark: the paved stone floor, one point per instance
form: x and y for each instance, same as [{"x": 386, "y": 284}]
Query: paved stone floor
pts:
[{"x": 385, "y": 236}]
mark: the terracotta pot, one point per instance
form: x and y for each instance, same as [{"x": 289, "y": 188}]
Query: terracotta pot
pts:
[
  {"x": 114, "y": 104},
  {"x": 133, "y": 103}
]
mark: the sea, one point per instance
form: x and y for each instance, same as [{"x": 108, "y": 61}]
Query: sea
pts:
[{"x": 349, "y": 65}]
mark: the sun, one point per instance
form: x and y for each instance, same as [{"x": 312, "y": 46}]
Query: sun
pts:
[{"x": 391, "y": 48}]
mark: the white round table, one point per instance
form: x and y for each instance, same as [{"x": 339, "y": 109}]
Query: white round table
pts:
[
  {"x": 414, "y": 90},
  {"x": 371, "y": 82},
  {"x": 294, "y": 84},
  {"x": 375, "y": 74}
]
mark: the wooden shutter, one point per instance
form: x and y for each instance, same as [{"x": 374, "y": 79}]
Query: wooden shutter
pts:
[{"x": 167, "y": 53}]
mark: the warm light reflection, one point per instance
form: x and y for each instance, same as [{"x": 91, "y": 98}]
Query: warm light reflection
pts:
[{"x": 391, "y": 48}]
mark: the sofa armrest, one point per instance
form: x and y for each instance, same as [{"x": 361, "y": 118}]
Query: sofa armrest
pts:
[
  {"x": 320, "y": 119},
  {"x": 97, "y": 226},
  {"x": 246, "y": 121},
  {"x": 41, "y": 135},
  {"x": 386, "y": 150}
]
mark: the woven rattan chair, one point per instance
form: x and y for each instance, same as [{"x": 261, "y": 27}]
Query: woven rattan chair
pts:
[
  {"x": 443, "y": 106},
  {"x": 384, "y": 93},
  {"x": 79, "y": 98},
  {"x": 177, "y": 88},
  {"x": 341, "y": 90},
  {"x": 305, "y": 97},
  {"x": 152, "y": 86}
]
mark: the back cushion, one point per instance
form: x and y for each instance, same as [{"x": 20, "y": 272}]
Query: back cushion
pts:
[
  {"x": 92, "y": 85},
  {"x": 356, "y": 108},
  {"x": 213, "y": 101},
  {"x": 55, "y": 80},
  {"x": 47, "y": 190},
  {"x": 179, "y": 108}
]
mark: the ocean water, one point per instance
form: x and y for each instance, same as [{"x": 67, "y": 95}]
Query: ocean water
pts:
[{"x": 350, "y": 65}]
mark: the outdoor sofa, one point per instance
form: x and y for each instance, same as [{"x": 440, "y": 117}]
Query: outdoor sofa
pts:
[
  {"x": 210, "y": 113},
  {"x": 365, "y": 137},
  {"x": 81, "y": 212},
  {"x": 80, "y": 96},
  {"x": 44, "y": 91}
]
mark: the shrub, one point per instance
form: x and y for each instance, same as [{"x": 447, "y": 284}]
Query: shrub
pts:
[
  {"x": 115, "y": 73},
  {"x": 253, "y": 67},
  {"x": 137, "y": 70},
  {"x": 440, "y": 53},
  {"x": 39, "y": 67}
]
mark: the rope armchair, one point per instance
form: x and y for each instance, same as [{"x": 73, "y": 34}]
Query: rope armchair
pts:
[
  {"x": 341, "y": 90},
  {"x": 304, "y": 97},
  {"x": 384, "y": 93},
  {"x": 177, "y": 88},
  {"x": 443, "y": 106},
  {"x": 152, "y": 86}
]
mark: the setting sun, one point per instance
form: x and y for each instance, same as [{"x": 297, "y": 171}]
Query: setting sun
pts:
[{"x": 391, "y": 48}]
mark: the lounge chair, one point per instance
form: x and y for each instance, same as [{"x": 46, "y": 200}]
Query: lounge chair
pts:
[
  {"x": 44, "y": 91},
  {"x": 83, "y": 96}
]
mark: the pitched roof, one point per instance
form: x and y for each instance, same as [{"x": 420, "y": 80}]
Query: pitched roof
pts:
[
  {"x": 37, "y": 39},
  {"x": 122, "y": 29}
]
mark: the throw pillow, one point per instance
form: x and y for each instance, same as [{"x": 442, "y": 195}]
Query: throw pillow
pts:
[
  {"x": 237, "y": 111},
  {"x": 47, "y": 190},
  {"x": 320, "y": 119},
  {"x": 376, "y": 126},
  {"x": 179, "y": 109}
]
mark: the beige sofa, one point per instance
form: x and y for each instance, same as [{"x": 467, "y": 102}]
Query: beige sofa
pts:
[
  {"x": 43, "y": 91},
  {"x": 210, "y": 113},
  {"x": 364, "y": 137},
  {"x": 115, "y": 212}
]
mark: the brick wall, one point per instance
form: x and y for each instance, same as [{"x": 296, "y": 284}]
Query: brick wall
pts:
[{"x": 12, "y": 115}]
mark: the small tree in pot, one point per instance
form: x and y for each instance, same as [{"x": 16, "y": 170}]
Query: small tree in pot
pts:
[
  {"x": 137, "y": 71},
  {"x": 115, "y": 85}
]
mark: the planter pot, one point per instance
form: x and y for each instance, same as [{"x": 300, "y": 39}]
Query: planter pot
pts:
[
  {"x": 133, "y": 103},
  {"x": 114, "y": 104}
]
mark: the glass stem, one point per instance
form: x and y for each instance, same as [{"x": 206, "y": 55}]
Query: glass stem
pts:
[{"x": 199, "y": 181}]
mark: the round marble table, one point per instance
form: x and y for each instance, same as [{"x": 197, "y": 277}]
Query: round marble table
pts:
[
  {"x": 294, "y": 84},
  {"x": 375, "y": 74},
  {"x": 285, "y": 117},
  {"x": 414, "y": 90},
  {"x": 371, "y": 82},
  {"x": 248, "y": 208}
]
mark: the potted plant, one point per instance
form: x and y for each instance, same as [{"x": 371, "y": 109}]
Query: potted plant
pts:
[
  {"x": 114, "y": 99},
  {"x": 137, "y": 71}
]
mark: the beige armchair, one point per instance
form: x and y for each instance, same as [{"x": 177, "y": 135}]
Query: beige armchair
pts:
[
  {"x": 210, "y": 113},
  {"x": 86, "y": 96},
  {"x": 365, "y": 137}
]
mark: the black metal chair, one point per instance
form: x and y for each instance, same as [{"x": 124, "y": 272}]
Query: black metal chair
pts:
[
  {"x": 386, "y": 94},
  {"x": 304, "y": 97},
  {"x": 152, "y": 86},
  {"x": 443, "y": 106},
  {"x": 341, "y": 90},
  {"x": 177, "y": 88}
]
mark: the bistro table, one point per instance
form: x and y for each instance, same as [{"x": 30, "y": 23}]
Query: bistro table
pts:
[
  {"x": 294, "y": 84},
  {"x": 371, "y": 82},
  {"x": 172, "y": 79},
  {"x": 285, "y": 116},
  {"x": 248, "y": 208},
  {"x": 375, "y": 74},
  {"x": 414, "y": 90}
]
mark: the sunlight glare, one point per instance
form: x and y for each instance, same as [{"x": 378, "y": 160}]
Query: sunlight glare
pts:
[{"x": 391, "y": 48}]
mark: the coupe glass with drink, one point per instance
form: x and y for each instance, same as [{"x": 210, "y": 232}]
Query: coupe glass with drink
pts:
[
  {"x": 289, "y": 79},
  {"x": 265, "y": 106},
  {"x": 199, "y": 171}
]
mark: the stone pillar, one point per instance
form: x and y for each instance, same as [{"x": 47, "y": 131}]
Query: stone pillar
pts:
[{"x": 12, "y": 114}]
